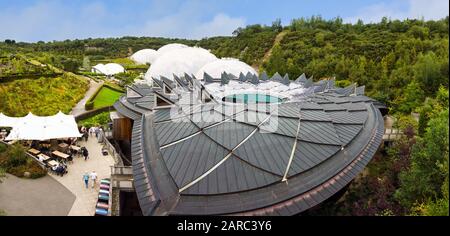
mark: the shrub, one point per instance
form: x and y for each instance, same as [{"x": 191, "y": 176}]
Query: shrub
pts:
[
  {"x": 99, "y": 119},
  {"x": 89, "y": 105},
  {"x": 16, "y": 156},
  {"x": 2, "y": 148}
]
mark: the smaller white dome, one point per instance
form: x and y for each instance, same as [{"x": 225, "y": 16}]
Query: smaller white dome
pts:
[
  {"x": 229, "y": 65},
  {"x": 108, "y": 69},
  {"x": 145, "y": 56}
]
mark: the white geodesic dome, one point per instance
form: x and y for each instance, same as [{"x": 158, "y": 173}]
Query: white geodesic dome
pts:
[
  {"x": 170, "y": 47},
  {"x": 108, "y": 69},
  {"x": 144, "y": 56},
  {"x": 179, "y": 61},
  {"x": 228, "y": 65}
]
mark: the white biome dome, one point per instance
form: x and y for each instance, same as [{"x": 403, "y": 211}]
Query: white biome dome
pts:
[
  {"x": 229, "y": 65},
  {"x": 144, "y": 56},
  {"x": 186, "y": 60},
  {"x": 108, "y": 69},
  {"x": 170, "y": 47}
]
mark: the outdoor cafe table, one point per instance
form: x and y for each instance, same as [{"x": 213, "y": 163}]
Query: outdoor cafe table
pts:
[
  {"x": 52, "y": 163},
  {"x": 43, "y": 156},
  {"x": 34, "y": 151},
  {"x": 63, "y": 145},
  {"x": 60, "y": 154},
  {"x": 75, "y": 148}
]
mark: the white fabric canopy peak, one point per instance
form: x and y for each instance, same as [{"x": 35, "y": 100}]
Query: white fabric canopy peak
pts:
[{"x": 33, "y": 127}]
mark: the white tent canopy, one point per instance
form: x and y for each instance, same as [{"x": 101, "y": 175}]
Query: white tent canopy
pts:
[
  {"x": 6, "y": 121},
  {"x": 33, "y": 127}
]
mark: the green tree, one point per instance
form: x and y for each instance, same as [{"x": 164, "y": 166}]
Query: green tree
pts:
[
  {"x": 427, "y": 71},
  {"x": 276, "y": 25},
  {"x": 412, "y": 98},
  {"x": 429, "y": 165}
]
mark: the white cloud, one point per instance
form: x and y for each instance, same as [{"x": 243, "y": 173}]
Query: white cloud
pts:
[
  {"x": 427, "y": 9},
  {"x": 191, "y": 20},
  {"x": 189, "y": 26},
  {"x": 220, "y": 25}
]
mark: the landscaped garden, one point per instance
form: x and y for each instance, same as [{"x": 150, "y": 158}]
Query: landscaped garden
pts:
[
  {"x": 105, "y": 96},
  {"x": 15, "y": 161},
  {"x": 42, "y": 96},
  {"x": 99, "y": 119}
]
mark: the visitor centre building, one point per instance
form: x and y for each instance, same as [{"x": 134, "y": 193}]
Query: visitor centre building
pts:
[{"x": 209, "y": 136}]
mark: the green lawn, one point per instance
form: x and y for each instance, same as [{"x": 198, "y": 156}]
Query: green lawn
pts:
[{"x": 106, "y": 97}]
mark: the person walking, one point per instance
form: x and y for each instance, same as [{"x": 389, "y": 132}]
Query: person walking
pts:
[
  {"x": 93, "y": 178},
  {"x": 86, "y": 179},
  {"x": 91, "y": 131},
  {"x": 85, "y": 153},
  {"x": 96, "y": 130}
]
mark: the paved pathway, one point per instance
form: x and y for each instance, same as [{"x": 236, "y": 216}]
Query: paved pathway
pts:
[
  {"x": 86, "y": 199},
  {"x": 79, "y": 108},
  {"x": 34, "y": 197}
]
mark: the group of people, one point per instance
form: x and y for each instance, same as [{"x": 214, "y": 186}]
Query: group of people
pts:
[
  {"x": 60, "y": 169},
  {"x": 94, "y": 130},
  {"x": 92, "y": 176}
]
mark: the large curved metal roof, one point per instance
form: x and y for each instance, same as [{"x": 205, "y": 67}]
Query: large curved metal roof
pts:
[{"x": 244, "y": 159}]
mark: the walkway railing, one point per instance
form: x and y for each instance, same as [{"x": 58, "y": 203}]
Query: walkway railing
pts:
[
  {"x": 121, "y": 170},
  {"x": 117, "y": 155},
  {"x": 392, "y": 134}
]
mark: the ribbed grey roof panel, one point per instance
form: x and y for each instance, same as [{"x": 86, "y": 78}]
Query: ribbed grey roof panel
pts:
[
  {"x": 356, "y": 106},
  {"x": 307, "y": 155},
  {"x": 344, "y": 117},
  {"x": 162, "y": 114},
  {"x": 125, "y": 111},
  {"x": 314, "y": 115},
  {"x": 251, "y": 117},
  {"x": 318, "y": 132},
  {"x": 233, "y": 175},
  {"x": 229, "y": 133},
  {"x": 270, "y": 152},
  {"x": 142, "y": 89},
  {"x": 347, "y": 132},
  {"x": 281, "y": 125},
  {"x": 229, "y": 110},
  {"x": 332, "y": 107},
  {"x": 207, "y": 118},
  {"x": 173, "y": 130},
  {"x": 148, "y": 198},
  {"x": 288, "y": 110},
  {"x": 191, "y": 158},
  {"x": 309, "y": 106}
]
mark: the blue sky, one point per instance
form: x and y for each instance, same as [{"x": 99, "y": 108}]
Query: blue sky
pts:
[{"x": 34, "y": 20}]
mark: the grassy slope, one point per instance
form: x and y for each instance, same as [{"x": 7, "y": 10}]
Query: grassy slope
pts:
[
  {"x": 43, "y": 96},
  {"x": 106, "y": 97}
]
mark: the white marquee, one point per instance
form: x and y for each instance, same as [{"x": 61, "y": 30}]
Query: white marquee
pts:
[{"x": 32, "y": 127}]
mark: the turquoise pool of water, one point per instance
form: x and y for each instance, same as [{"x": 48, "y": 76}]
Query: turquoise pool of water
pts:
[{"x": 251, "y": 98}]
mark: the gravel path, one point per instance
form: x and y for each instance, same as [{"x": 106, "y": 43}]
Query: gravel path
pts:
[{"x": 79, "y": 108}]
